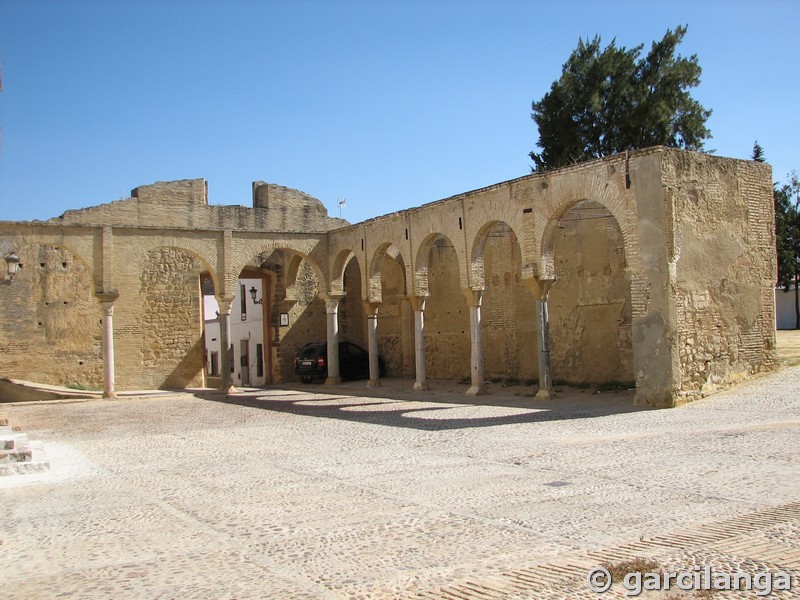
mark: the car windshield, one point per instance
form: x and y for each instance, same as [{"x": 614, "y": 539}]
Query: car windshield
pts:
[{"x": 309, "y": 351}]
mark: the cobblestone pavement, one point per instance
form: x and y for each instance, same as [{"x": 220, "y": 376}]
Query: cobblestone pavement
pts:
[{"x": 353, "y": 493}]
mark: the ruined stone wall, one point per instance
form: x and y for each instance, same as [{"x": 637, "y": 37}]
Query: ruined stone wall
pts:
[
  {"x": 171, "y": 320},
  {"x": 185, "y": 204},
  {"x": 50, "y": 328},
  {"x": 447, "y": 341},
  {"x": 352, "y": 319},
  {"x": 307, "y": 319},
  {"x": 391, "y": 321},
  {"x": 508, "y": 312},
  {"x": 723, "y": 266},
  {"x": 590, "y": 309}
]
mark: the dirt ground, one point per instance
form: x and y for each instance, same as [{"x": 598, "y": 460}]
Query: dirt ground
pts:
[{"x": 789, "y": 346}]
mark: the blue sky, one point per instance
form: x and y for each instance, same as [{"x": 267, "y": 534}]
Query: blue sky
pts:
[{"x": 387, "y": 104}]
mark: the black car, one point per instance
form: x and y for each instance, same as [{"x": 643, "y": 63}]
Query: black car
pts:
[{"x": 311, "y": 362}]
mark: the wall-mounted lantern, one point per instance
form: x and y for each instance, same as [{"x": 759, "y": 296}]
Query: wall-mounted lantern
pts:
[
  {"x": 253, "y": 294},
  {"x": 12, "y": 262}
]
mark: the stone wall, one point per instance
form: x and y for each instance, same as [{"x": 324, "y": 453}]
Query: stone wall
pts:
[
  {"x": 590, "y": 310},
  {"x": 307, "y": 319},
  {"x": 171, "y": 320},
  {"x": 723, "y": 265},
  {"x": 508, "y": 312},
  {"x": 636, "y": 295},
  {"x": 447, "y": 343},
  {"x": 184, "y": 203},
  {"x": 50, "y": 322}
]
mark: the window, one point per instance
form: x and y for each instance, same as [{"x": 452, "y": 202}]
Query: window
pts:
[{"x": 213, "y": 364}]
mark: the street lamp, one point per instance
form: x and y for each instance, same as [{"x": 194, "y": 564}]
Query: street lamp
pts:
[
  {"x": 12, "y": 262},
  {"x": 253, "y": 294}
]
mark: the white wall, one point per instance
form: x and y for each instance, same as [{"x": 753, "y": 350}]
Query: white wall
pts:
[
  {"x": 247, "y": 329},
  {"x": 785, "y": 309}
]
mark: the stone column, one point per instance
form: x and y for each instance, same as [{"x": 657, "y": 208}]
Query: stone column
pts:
[
  {"x": 107, "y": 303},
  {"x": 543, "y": 336},
  {"x": 477, "y": 384},
  {"x": 371, "y": 309},
  {"x": 418, "y": 304},
  {"x": 332, "y": 310},
  {"x": 225, "y": 344}
]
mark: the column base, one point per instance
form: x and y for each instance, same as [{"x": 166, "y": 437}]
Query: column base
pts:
[
  {"x": 333, "y": 381},
  {"x": 420, "y": 386},
  {"x": 373, "y": 383},
  {"x": 230, "y": 389},
  {"x": 544, "y": 395},
  {"x": 109, "y": 395},
  {"x": 477, "y": 390}
]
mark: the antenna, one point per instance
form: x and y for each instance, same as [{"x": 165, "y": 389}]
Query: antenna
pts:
[{"x": 342, "y": 202}]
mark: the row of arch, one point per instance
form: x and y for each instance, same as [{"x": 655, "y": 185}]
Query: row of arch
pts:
[{"x": 329, "y": 256}]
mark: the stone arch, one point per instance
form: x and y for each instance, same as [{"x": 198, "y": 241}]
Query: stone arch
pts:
[
  {"x": 169, "y": 315},
  {"x": 508, "y": 319},
  {"x": 477, "y": 275},
  {"x": 439, "y": 276},
  {"x": 384, "y": 251},
  {"x": 340, "y": 262},
  {"x": 613, "y": 206},
  {"x": 389, "y": 289},
  {"x": 422, "y": 265},
  {"x": 351, "y": 307},
  {"x": 263, "y": 255},
  {"x": 590, "y": 303}
]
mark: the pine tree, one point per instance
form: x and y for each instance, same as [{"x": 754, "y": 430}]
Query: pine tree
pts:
[{"x": 609, "y": 100}]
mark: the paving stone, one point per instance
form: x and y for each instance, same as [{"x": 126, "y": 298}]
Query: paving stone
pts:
[{"x": 306, "y": 494}]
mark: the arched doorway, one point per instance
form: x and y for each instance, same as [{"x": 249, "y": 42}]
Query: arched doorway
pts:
[{"x": 590, "y": 303}]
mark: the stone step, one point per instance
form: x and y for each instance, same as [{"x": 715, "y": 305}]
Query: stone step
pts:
[
  {"x": 31, "y": 460},
  {"x": 13, "y": 441}
]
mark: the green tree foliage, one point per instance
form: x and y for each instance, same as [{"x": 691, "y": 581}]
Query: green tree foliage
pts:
[
  {"x": 787, "y": 237},
  {"x": 610, "y": 100},
  {"x": 758, "y": 153}
]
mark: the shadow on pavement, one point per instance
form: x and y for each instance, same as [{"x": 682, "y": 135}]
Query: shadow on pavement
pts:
[{"x": 434, "y": 410}]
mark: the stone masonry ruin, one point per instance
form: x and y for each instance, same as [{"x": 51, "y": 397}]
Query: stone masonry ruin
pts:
[{"x": 654, "y": 268}]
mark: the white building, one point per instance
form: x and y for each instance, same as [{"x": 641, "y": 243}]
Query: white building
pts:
[
  {"x": 249, "y": 325},
  {"x": 785, "y": 316}
]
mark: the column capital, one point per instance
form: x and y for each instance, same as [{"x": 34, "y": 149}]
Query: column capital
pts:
[
  {"x": 418, "y": 302},
  {"x": 371, "y": 309},
  {"x": 474, "y": 296},
  {"x": 105, "y": 296},
  {"x": 539, "y": 286},
  {"x": 225, "y": 305},
  {"x": 332, "y": 301}
]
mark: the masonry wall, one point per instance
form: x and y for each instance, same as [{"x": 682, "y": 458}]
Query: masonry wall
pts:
[
  {"x": 590, "y": 309},
  {"x": 682, "y": 323},
  {"x": 185, "y": 204},
  {"x": 508, "y": 312},
  {"x": 723, "y": 265},
  {"x": 395, "y": 337},
  {"x": 307, "y": 319},
  {"x": 50, "y": 329},
  {"x": 158, "y": 320}
]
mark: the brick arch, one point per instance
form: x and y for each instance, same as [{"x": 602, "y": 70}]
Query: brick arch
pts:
[
  {"x": 619, "y": 212},
  {"x": 206, "y": 254},
  {"x": 294, "y": 257},
  {"x": 477, "y": 275},
  {"x": 374, "y": 288},
  {"x": 340, "y": 263},
  {"x": 422, "y": 265}
]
